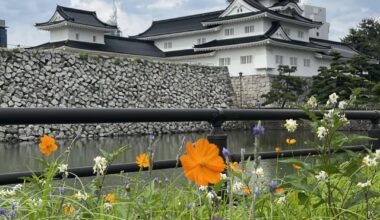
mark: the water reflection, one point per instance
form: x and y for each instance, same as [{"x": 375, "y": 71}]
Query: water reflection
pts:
[{"x": 20, "y": 156}]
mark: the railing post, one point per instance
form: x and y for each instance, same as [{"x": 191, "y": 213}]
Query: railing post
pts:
[
  {"x": 375, "y": 133},
  {"x": 217, "y": 136}
]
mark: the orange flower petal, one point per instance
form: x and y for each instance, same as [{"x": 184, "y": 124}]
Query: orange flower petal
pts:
[
  {"x": 296, "y": 166},
  {"x": 280, "y": 190}
]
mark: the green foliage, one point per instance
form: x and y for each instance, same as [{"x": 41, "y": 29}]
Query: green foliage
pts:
[
  {"x": 285, "y": 88},
  {"x": 83, "y": 56},
  {"x": 343, "y": 78}
]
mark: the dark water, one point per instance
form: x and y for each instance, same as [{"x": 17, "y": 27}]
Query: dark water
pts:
[{"x": 17, "y": 157}]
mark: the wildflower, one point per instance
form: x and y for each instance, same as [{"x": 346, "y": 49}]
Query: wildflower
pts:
[
  {"x": 47, "y": 145},
  {"x": 237, "y": 187},
  {"x": 108, "y": 207},
  {"x": 202, "y": 163},
  {"x": 36, "y": 202},
  {"x": 273, "y": 186},
  {"x": 61, "y": 190},
  {"x": 111, "y": 198},
  {"x": 291, "y": 141},
  {"x": 166, "y": 181},
  {"x": 342, "y": 105},
  {"x": 322, "y": 132},
  {"x": 151, "y": 137},
  {"x": 223, "y": 176},
  {"x": 81, "y": 197},
  {"x": 280, "y": 190},
  {"x": 333, "y": 99},
  {"x": 203, "y": 188},
  {"x": 257, "y": 192},
  {"x": 234, "y": 167},
  {"x": 365, "y": 185},
  {"x": 63, "y": 169},
  {"x": 259, "y": 172},
  {"x": 12, "y": 213},
  {"x": 100, "y": 165},
  {"x": 291, "y": 125},
  {"x": 2, "y": 211},
  {"x": 377, "y": 154},
  {"x": 281, "y": 200},
  {"x": 344, "y": 119},
  {"x": 277, "y": 149},
  {"x": 226, "y": 152},
  {"x": 329, "y": 115},
  {"x": 312, "y": 102},
  {"x": 210, "y": 195},
  {"x": 322, "y": 176},
  {"x": 17, "y": 187},
  {"x": 247, "y": 191},
  {"x": 296, "y": 166},
  {"x": 143, "y": 160},
  {"x": 258, "y": 130},
  {"x": 68, "y": 210},
  {"x": 369, "y": 162}
]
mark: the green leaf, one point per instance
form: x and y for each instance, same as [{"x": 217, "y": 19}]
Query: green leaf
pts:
[{"x": 359, "y": 197}]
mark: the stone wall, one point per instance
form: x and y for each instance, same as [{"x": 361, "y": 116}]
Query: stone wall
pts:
[
  {"x": 31, "y": 79},
  {"x": 249, "y": 89}
]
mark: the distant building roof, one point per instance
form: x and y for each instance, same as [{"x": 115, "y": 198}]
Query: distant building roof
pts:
[
  {"x": 113, "y": 44},
  {"x": 78, "y": 16},
  {"x": 2, "y": 23},
  {"x": 345, "y": 50},
  {"x": 180, "y": 24}
]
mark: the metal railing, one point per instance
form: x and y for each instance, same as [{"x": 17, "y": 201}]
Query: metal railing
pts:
[{"x": 216, "y": 117}]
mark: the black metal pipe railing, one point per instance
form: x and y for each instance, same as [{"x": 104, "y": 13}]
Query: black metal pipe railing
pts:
[
  {"x": 16, "y": 116},
  {"x": 15, "y": 178}
]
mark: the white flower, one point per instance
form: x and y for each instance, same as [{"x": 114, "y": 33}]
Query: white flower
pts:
[
  {"x": 210, "y": 195},
  {"x": 312, "y": 102},
  {"x": 344, "y": 119},
  {"x": 322, "y": 176},
  {"x": 36, "y": 202},
  {"x": 365, "y": 185},
  {"x": 342, "y": 105},
  {"x": 333, "y": 98},
  {"x": 237, "y": 187},
  {"x": 322, "y": 132},
  {"x": 329, "y": 114},
  {"x": 17, "y": 187},
  {"x": 223, "y": 176},
  {"x": 100, "y": 165},
  {"x": 63, "y": 169},
  {"x": 377, "y": 154},
  {"x": 81, "y": 197},
  {"x": 281, "y": 200},
  {"x": 259, "y": 172},
  {"x": 291, "y": 125},
  {"x": 203, "y": 188},
  {"x": 108, "y": 207},
  {"x": 7, "y": 192},
  {"x": 369, "y": 162}
]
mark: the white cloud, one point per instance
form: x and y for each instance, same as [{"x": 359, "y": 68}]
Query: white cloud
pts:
[
  {"x": 129, "y": 24},
  {"x": 166, "y": 4}
]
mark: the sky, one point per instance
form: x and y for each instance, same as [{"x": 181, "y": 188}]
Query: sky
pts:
[{"x": 135, "y": 16}]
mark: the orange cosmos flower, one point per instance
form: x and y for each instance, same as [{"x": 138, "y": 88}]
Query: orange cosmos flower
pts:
[
  {"x": 111, "y": 198},
  {"x": 277, "y": 149},
  {"x": 296, "y": 166},
  {"x": 280, "y": 190},
  {"x": 202, "y": 163},
  {"x": 47, "y": 145},
  {"x": 291, "y": 141},
  {"x": 247, "y": 191},
  {"x": 234, "y": 167},
  {"x": 143, "y": 160},
  {"x": 69, "y": 211}
]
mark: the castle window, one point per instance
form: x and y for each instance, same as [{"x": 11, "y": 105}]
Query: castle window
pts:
[
  {"x": 246, "y": 59},
  {"x": 293, "y": 61},
  {"x": 317, "y": 34},
  {"x": 306, "y": 62},
  {"x": 201, "y": 40},
  {"x": 168, "y": 45},
  {"x": 279, "y": 60},
  {"x": 224, "y": 61},
  {"x": 94, "y": 38},
  {"x": 229, "y": 31},
  {"x": 77, "y": 36},
  {"x": 240, "y": 10},
  {"x": 300, "y": 34},
  {"x": 249, "y": 29}
]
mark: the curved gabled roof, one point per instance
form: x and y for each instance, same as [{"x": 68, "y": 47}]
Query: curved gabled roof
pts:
[
  {"x": 179, "y": 24},
  {"x": 79, "y": 17}
]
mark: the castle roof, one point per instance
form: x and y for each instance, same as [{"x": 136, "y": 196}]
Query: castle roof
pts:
[{"x": 76, "y": 16}]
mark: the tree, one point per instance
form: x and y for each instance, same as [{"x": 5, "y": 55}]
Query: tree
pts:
[
  {"x": 285, "y": 88},
  {"x": 366, "y": 40},
  {"x": 342, "y": 78}
]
